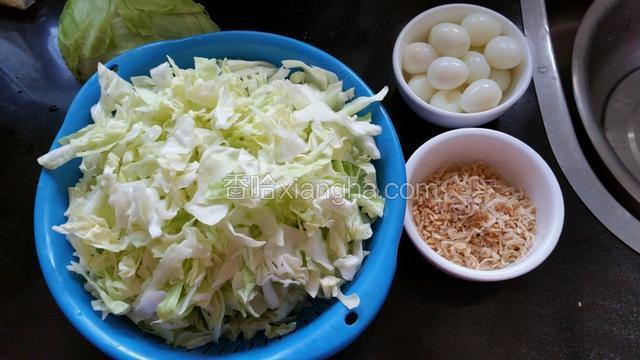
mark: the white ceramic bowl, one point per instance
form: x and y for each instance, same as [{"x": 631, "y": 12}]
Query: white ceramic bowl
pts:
[
  {"x": 418, "y": 30},
  {"x": 519, "y": 164}
]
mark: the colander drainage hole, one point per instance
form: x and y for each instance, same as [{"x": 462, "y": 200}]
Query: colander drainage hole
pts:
[
  {"x": 351, "y": 318},
  {"x": 114, "y": 67}
]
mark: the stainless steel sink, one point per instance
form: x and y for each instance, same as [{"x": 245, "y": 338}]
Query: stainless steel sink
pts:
[
  {"x": 590, "y": 136},
  {"x": 606, "y": 79}
]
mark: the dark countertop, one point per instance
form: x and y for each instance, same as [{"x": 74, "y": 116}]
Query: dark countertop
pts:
[{"x": 583, "y": 302}]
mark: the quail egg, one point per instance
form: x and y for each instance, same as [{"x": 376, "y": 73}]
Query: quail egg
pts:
[
  {"x": 450, "y": 39},
  {"x": 421, "y": 87},
  {"x": 481, "y": 28},
  {"x": 503, "y": 52},
  {"x": 447, "y": 73},
  {"x": 478, "y": 66},
  {"x": 447, "y": 100},
  {"x": 417, "y": 57},
  {"x": 502, "y": 78},
  {"x": 480, "y": 95}
]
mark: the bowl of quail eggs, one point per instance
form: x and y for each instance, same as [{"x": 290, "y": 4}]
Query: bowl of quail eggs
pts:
[{"x": 461, "y": 65}]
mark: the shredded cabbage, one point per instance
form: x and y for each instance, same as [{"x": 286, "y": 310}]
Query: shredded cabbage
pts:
[{"x": 167, "y": 222}]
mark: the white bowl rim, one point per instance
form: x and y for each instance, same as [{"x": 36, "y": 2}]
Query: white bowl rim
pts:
[
  {"x": 520, "y": 87},
  {"x": 533, "y": 258}
]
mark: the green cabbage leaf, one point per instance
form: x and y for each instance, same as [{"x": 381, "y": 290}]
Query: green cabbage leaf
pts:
[{"x": 92, "y": 31}]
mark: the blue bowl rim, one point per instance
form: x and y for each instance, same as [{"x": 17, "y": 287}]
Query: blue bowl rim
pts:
[{"x": 329, "y": 326}]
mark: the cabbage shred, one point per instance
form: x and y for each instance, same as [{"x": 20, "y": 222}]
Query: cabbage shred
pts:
[{"x": 169, "y": 227}]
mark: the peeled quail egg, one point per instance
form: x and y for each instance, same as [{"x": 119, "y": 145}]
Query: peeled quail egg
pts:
[
  {"x": 421, "y": 87},
  {"x": 480, "y": 95},
  {"x": 502, "y": 78},
  {"x": 447, "y": 73},
  {"x": 450, "y": 39},
  {"x": 503, "y": 53},
  {"x": 447, "y": 100},
  {"x": 478, "y": 66},
  {"x": 417, "y": 57},
  {"x": 481, "y": 28}
]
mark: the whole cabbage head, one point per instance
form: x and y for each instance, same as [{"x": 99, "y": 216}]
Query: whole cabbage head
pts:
[{"x": 92, "y": 31}]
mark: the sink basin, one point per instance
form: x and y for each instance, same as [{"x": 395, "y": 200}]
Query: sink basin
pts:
[
  {"x": 606, "y": 71},
  {"x": 564, "y": 19},
  {"x": 589, "y": 134}
]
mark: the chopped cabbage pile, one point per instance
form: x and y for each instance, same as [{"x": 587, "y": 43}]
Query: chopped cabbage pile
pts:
[{"x": 215, "y": 200}]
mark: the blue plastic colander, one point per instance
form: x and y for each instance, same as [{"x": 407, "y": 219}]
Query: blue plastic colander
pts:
[{"x": 325, "y": 326}]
